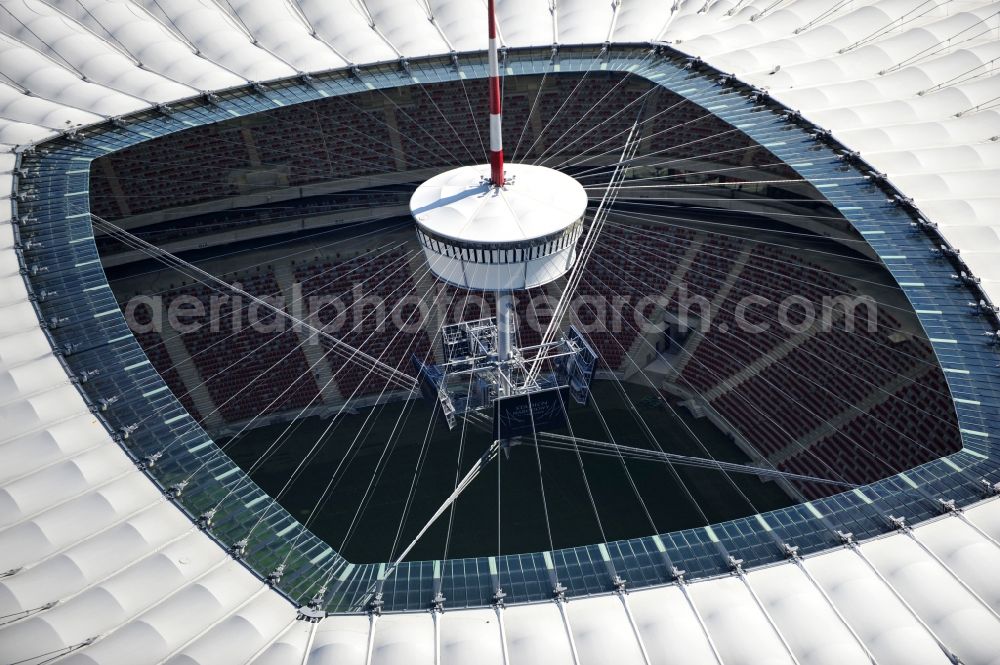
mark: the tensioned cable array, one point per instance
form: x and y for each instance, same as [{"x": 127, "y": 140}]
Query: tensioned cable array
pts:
[
  {"x": 850, "y": 405},
  {"x": 586, "y": 248},
  {"x": 249, "y": 354},
  {"x": 561, "y": 442},
  {"x": 402, "y": 379}
]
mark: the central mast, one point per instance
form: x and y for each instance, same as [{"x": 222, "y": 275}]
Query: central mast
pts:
[
  {"x": 504, "y": 301},
  {"x": 502, "y": 229},
  {"x": 496, "y": 111}
]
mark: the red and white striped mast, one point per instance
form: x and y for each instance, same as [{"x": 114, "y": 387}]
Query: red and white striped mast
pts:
[{"x": 496, "y": 112}]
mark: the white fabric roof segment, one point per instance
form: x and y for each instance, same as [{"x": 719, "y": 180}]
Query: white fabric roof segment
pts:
[
  {"x": 347, "y": 28},
  {"x": 525, "y": 23},
  {"x": 452, "y": 16},
  {"x": 603, "y": 633},
  {"x": 962, "y": 548},
  {"x": 669, "y": 628},
  {"x": 404, "y": 640},
  {"x": 953, "y": 613},
  {"x": 152, "y": 45},
  {"x": 470, "y": 637},
  {"x": 985, "y": 519},
  {"x": 88, "y": 51},
  {"x": 68, "y": 560},
  {"x": 635, "y": 19},
  {"x": 241, "y": 620},
  {"x": 340, "y": 640},
  {"x": 880, "y": 619},
  {"x": 946, "y": 47},
  {"x": 88, "y": 531},
  {"x": 41, "y": 76},
  {"x": 214, "y": 34},
  {"x": 34, "y": 110},
  {"x": 288, "y": 647},
  {"x": 537, "y": 635},
  {"x": 812, "y": 628},
  {"x": 742, "y": 633},
  {"x": 281, "y": 30},
  {"x": 62, "y": 440},
  {"x": 583, "y": 21},
  {"x": 407, "y": 26},
  {"x": 34, "y": 377}
]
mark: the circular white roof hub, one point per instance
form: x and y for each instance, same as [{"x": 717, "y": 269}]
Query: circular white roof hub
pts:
[
  {"x": 462, "y": 205},
  {"x": 517, "y": 236}
]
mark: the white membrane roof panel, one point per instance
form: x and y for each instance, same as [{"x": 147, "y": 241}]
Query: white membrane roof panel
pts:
[
  {"x": 811, "y": 626},
  {"x": 537, "y": 635},
  {"x": 873, "y": 610},
  {"x": 739, "y": 629},
  {"x": 669, "y": 627},
  {"x": 471, "y": 637}
]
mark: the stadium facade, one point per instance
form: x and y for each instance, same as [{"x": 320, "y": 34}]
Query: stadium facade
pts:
[{"x": 889, "y": 108}]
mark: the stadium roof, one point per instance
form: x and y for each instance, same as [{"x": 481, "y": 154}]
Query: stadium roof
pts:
[{"x": 103, "y": 568}]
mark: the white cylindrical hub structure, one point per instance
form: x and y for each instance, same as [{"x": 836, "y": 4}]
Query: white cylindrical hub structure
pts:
[{"x": 488, "y": 238}]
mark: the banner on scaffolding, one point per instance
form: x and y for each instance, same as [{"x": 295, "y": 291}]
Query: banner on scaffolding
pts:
[{"x": 521, "y": 415}]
